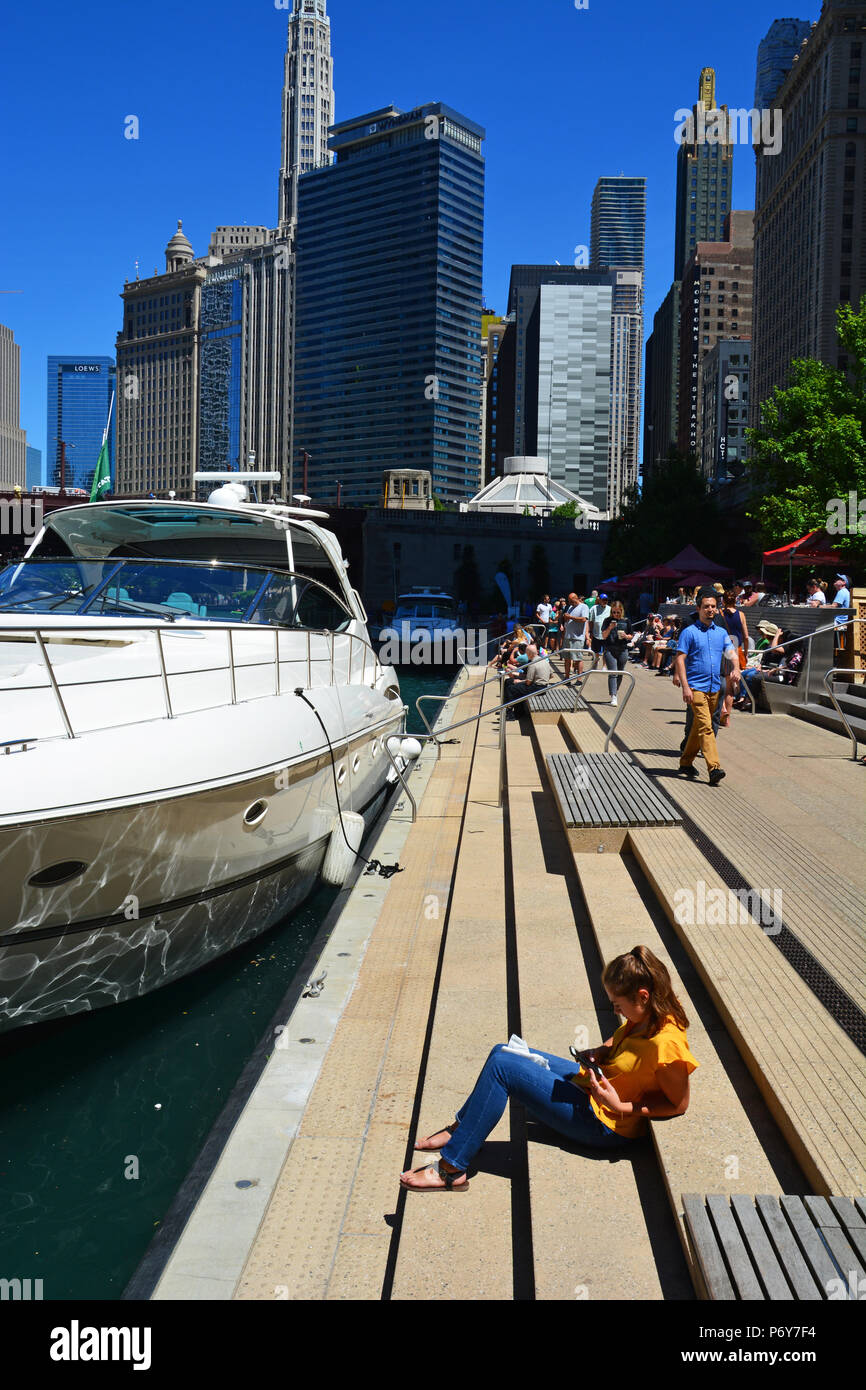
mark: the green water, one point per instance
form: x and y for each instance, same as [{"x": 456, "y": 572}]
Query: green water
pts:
[{"x": 87, "y": 1102}]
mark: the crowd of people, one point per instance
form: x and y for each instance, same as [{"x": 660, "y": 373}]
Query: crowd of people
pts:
[{"x": 710, "y": 652}]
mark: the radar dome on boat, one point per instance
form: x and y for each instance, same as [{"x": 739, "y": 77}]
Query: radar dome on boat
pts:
[{"x": 229, "y": 495}]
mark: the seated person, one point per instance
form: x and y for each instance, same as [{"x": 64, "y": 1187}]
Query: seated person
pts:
[
  {"x": 536, "y": 673},
  {"x": 602, "y": 1099}
]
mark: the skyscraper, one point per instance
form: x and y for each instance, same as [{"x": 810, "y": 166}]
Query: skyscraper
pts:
[
  {"x": 244, "y": 347},
  {"x": 810, "y": 203},
  {"x": 13, "y": 440},
  {"x": 574, "y": 397},
  {"x": 387, "y": 366},
  {"x": 617, "y": 240},
  {"x": 80, "y": 390},
  {"x": 705, "y": 172},
  {"x": 776, "y": 53},
  {"x": 158, "y": 376},
  {"x": 618, "y": 223},
  {"x": 308, "y": 103},
  {"x": 552, "y": 375},
  {"x": 716, "y": 303}
]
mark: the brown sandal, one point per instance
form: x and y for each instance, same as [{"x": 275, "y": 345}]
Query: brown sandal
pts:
[
  {"x": 425, "y": 1147},
  {"x": 449, "y": 1181}
]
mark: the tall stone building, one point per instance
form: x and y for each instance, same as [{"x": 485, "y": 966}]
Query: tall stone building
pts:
[
  {"x": 158, "y": 376},
  {"x": 308, "y": 104},
  {"x": 703, "y": 201},
  {"x": 810, "y": 203},
  {"x": 705, "y": 173},
  {"x": 13, "y": 440},
  {"x": 716, "y": 303}
]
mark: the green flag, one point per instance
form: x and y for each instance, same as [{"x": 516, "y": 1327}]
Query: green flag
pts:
[{"x": 102, "y": 476}]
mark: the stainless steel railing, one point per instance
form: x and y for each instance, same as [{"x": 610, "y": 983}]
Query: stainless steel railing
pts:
[
  {"x": 37, "y": 634},
  {"x": 842, "y": 671}
]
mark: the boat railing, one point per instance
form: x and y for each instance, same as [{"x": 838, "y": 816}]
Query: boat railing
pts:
[{"x": 337, "y": 652}]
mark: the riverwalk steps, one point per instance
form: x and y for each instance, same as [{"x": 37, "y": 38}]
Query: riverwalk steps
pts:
[
  {"x": 809, "y": 1069},
  {"x": 499, "y": 925},
  {"x": 324, "y": 1233}
]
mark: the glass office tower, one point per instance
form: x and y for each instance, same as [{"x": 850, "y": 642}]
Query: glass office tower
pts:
[
  {"x": 387, "y": 370},
  {"x": 618, "y": 223},
  {"x": 776, "y": 52},
  {"x": 79, "y": 395}
]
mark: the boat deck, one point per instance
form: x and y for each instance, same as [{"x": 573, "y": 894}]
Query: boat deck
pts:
[{"x": 498, "y": 925}]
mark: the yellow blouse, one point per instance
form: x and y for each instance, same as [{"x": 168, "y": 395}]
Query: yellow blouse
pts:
[{"x": 631, "y": 1068}]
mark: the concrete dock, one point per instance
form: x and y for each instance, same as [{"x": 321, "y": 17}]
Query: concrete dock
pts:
[{"x": 500, "y": 925}]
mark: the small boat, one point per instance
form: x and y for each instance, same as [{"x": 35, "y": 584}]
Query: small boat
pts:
[
  {"x": 425, "y": 629},
  {"x": 192, "y": 725}
]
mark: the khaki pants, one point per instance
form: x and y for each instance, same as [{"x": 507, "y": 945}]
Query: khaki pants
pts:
[{"x": 701, "y": 734}]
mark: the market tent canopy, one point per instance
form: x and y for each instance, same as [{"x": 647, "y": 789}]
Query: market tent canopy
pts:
[
  {"x": 815, "y": 548},
  {"x": 691, "y": 561}
]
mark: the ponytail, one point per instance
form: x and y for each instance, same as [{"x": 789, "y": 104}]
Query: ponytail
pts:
[{"x": 640, "y": 969}]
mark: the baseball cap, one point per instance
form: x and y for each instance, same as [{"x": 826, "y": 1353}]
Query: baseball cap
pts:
[
  {"x": 604, "y": 596},
  {"x": 845, "y": 577}
]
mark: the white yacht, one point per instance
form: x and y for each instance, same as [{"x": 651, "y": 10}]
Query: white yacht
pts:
[{"x": 190, "y": 714}]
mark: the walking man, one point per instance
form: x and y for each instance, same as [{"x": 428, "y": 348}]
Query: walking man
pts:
[
  {"x": 701, "y": 648},
  {"x": 576, "y": 628}
]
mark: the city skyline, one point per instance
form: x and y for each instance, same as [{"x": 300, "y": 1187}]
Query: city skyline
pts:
[{"x": 133, "y": 188}]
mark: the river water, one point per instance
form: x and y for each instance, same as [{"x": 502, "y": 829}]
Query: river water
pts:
[{"x": 103, "y": 1114}]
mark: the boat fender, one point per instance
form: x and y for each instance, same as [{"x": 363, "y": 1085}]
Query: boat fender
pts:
[
  {"x": 340, "y": 856},
  {"x": 410, "y": 748}
]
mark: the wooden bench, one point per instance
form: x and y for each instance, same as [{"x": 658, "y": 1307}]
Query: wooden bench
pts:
[
  {"x": 780, "y": 1248},
  {"x": 600, "y": 795}
]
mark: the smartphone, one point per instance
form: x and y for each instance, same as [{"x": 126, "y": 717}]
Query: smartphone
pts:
[{"x": 590, "y": 1066}]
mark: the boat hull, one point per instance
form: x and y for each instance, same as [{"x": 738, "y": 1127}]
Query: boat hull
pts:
[{"x": 170, "y": 883}]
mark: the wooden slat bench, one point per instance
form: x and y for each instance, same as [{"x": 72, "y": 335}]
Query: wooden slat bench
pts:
[
  {"x": 777, "y": 1248},
  {"x": 600, "y": 795},
  {"x": 548, "y": 707}
]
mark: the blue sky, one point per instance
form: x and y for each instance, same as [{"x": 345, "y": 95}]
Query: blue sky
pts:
[{"x": 566, "y": 95}]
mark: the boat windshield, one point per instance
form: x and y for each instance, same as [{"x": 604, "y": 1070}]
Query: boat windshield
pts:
[
  {"x": 157, "y": 590},
  {"x": 444, "y": 611}
]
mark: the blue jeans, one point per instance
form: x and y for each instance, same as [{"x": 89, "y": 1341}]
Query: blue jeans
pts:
[
  {"x": 545, "y": 1095},
  {"x": 614, "y": 661}
]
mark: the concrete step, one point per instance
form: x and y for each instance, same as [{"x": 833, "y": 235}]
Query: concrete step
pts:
[
  {"x": 580, "y": 1207},
  {"x": 460, "y": 1247},
  {"x": 716, "y": 1146},
  {"x": 325, "y": 1233},
  {"x": 810, "y": 1073},
  {"x": 827, "y": 718}
]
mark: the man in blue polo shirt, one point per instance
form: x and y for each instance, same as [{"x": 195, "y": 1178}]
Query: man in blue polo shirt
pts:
[{"x": 700, "y": 652}]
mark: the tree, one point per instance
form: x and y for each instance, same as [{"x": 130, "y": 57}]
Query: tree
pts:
[
  {"x": 673, "y": 510},
  {"x": 438, "y": 506},
  {"x": 809, "y": 452},
  {"x": 569, "y": 511}
]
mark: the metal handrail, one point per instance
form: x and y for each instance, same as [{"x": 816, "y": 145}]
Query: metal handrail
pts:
[
  {"x": 843, "y": 671},
  {"x": 159, "y": 631}
]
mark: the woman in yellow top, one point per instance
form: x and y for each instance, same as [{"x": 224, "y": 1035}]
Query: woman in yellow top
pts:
[{"x": 644, "y": 1075}]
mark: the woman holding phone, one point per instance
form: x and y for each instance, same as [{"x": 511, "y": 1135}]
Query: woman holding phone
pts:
[{"x": 641, "y": 1073}]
